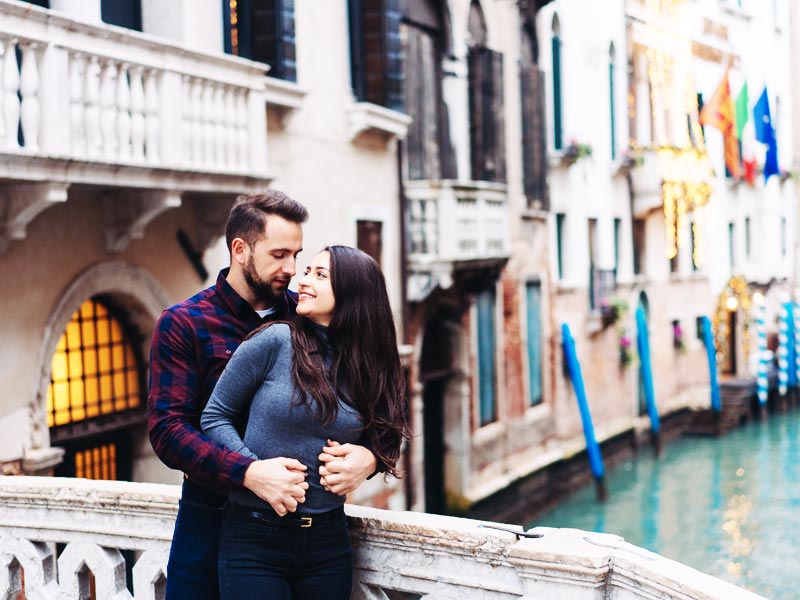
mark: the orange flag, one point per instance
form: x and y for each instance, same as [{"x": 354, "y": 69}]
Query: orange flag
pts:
[{"x": 719, "y": 112}]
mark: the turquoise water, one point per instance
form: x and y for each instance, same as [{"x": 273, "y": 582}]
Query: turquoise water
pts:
[{"x": 728, "y": 506}]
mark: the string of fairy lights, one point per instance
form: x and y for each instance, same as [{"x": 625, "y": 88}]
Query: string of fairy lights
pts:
[{"x": 685, "y": 166}]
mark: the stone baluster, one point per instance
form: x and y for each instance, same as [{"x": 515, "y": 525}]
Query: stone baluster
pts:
[
  {"x": 150, "y": 575},
  {"x": 187, "y": 120},
  {"x": 137, "y": 113},
  {"x": 10, "y": 84},
  {"x": 242, "y": 140},
  {"x": 108, "y": 108},
  {"x": 152, "y": 123},
  {"x": 208, "y": 123},
  {"x": 231, "y": 150},
  {"x": 29, "y": 90},
  {"x": 219, "y": 125},
  {"x": 77, "y": 74},
  {"x": 94, "y": 140},
  {"x": 197, "y": 122},
  {"x": 124, "y": 112},
  {"x": 105, "y": 564}
]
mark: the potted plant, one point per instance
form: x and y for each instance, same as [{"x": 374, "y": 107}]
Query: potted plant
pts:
[{"x": 575, "y": 151}]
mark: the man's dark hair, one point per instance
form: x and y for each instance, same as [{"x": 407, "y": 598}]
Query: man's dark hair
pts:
[{"x": 248, "y": 216}]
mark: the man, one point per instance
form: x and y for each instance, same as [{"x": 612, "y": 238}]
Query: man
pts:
[{"x": 192, "y": 342}]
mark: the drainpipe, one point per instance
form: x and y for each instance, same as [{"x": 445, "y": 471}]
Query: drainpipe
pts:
[{"x": 404, "y": 316}]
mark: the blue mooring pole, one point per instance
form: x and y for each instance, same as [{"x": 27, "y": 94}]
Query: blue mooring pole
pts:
[
  {"x": 592, "y": 447},
  {"x": 711, "y": 351},
  {"x": 643, "y": 346}
]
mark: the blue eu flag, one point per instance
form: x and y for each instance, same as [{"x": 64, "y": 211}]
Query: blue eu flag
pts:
[{"x": 765, "y": 134}]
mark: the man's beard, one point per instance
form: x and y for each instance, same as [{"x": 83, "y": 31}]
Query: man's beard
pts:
[{"x": 266, "y": 290}]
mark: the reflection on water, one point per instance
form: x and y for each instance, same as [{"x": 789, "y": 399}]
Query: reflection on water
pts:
[{"x": 726, "y": 506}]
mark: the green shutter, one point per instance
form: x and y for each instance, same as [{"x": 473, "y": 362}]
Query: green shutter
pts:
[
  {"x": 487, "y": 375},
  {"x": 533, "y": 297}
]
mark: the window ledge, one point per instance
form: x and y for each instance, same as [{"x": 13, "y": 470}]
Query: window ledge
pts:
[
  {"x": 365, "y": 116},
  {"x": 534, "y": 214},
  {"x": 284, "y": 94}
]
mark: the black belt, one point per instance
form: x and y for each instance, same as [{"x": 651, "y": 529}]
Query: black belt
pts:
[{"x": 290, "y": 520}]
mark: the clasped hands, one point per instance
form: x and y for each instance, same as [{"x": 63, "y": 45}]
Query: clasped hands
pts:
[{"x": 281, "y": 482}]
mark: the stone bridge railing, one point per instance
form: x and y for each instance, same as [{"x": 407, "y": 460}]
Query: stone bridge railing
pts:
[{"x": 397, "y": 555}]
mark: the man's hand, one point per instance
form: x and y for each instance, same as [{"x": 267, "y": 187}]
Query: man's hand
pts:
[
  {"x": 279, "y": 481},
  {"x": 345, "y": 467}
]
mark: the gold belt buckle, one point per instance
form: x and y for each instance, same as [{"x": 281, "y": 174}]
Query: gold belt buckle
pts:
[{"x": 307, "y": 521}]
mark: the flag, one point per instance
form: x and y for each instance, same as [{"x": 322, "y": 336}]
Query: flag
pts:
[
  {"x": 719, "y": 113},
  {"x": 744, "y": 131},
  {"x": 766, "y": 134}
]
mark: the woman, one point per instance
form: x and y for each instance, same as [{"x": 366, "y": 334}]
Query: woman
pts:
[{"x": 332, "y": 374}]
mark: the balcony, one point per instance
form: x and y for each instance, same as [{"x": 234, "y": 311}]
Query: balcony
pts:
[
  {"x": 646, "y": 181},
  {"x": 395, "y": 554},
  {"x": 109, "y": 109},
  {"x": 452, "y": 226}
]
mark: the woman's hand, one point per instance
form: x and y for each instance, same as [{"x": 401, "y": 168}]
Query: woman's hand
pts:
[
  {"x": 279, "y": 481},
  {"x": 345, "y": 467}
]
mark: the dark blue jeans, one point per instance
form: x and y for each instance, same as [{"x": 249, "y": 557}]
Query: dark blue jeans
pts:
[
  {"x": 194, "y": 554},
  {"x": 260, "y": 558}
]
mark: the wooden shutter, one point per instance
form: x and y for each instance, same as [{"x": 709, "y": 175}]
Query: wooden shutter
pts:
[
  {"x": 487, "y": 139},
  {"x": 376, "y": 53},
  {"x": 272, "y": 37},
  {"x": 422, "y": 103},
  {"x": 369, "y": 236},
  {"x": 534, "y": 136}
]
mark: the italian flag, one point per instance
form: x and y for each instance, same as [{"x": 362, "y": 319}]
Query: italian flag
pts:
[{"x": 746, "y": 134}]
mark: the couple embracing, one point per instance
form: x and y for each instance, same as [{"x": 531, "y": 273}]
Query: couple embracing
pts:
[{"x": 275, "y": 405}]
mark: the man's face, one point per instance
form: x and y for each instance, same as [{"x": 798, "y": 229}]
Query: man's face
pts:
[{"x": 271, "y": 261}]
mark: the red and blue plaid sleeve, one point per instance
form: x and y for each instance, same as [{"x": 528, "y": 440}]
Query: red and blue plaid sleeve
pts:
[{"x": 174, "y": 405}]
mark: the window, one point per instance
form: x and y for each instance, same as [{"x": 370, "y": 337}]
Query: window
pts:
[
  {"x": 376, "y": 56},
  {"x": 783, "y": 236},
  {"x": 674, "y": 262},
  {"x": 747, "y": 237},
  {"x": 487, "y": 379},
  {"x": 612, "y": 58},
  {"x": 558, "y": 134},
  {"x": 262, "y": 30},
  {"x": 369, "y": 238},
  {"x": 533, "y": 301},
  {"x": 560, "y": 221},
  {"x": 534, "y": 127},
  {"x": 617, "y": 236},
  {"x": 731, "y": 253},
  {"x": 486, "y": 123},
  {"x": 594, "y": 295},
  {"x": 428, "y": 153},
  {"x": 695, "y": 249},
  {"x": 126, "y": 13},
  {"x": 638, "y": 230}
]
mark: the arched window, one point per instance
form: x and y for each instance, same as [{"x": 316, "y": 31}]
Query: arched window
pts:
[
  {"x": 612, "y": 59},
  {"x": 96, "y": 389},
  {"x": 558, "y": 126},
  {"x": 486, "y": 118}
]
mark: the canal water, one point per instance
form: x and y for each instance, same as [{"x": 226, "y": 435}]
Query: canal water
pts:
[{"x": 727, "y": 506}]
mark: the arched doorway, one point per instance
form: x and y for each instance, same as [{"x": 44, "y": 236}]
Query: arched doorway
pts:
[
  {"x": 96, "y": 392},
  {"x": 436, "y": 373},
  {"x": 731, "y": 326}
]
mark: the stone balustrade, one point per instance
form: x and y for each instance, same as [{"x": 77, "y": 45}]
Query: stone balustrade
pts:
[
  {"x": 453, "y": 222},
  {"x": 104, "y": 95},
  {"x": 397, "y": 555}
]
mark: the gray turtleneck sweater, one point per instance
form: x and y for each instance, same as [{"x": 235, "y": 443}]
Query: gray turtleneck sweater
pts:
[{"x": 257, "y": 385}]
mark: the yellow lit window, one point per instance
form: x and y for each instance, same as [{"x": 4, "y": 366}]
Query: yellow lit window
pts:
[
  {"x": 95, "y": 371},
  {"x": 97, "y": 463}
]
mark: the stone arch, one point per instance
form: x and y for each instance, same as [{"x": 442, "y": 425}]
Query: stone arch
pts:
[{"x": 131, "y": 287}]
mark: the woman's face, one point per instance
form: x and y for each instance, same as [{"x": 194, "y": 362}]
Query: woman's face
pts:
[{"x": 315, "y": 299}]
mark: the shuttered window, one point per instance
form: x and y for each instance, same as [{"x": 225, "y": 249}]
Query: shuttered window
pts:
[
  {"x": 376, "y": 56},
  {"x": 534, "y": 136},
  {"x": 612, "y": 101},
  {"x": 487, "y": 140},
  {"x": 558, "y": 126},
  {"x": 487, "y": 375},
  {"x": 262, "y": 30},
  {"x": 533, "y": 300}
]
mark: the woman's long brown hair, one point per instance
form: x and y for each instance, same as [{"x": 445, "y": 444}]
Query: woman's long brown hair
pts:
[{"x": 365, "y": 367}]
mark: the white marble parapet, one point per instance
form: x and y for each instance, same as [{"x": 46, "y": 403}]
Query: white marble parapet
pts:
[{"x": 396, "y": 554}]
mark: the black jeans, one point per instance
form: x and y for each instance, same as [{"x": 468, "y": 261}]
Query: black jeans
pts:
[
  {"x": 266, "y": 558},
  {"x": 194, "y": 553}
]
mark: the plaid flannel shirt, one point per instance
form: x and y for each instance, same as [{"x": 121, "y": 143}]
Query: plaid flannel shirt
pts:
[{"x": 192, "y": 343}]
